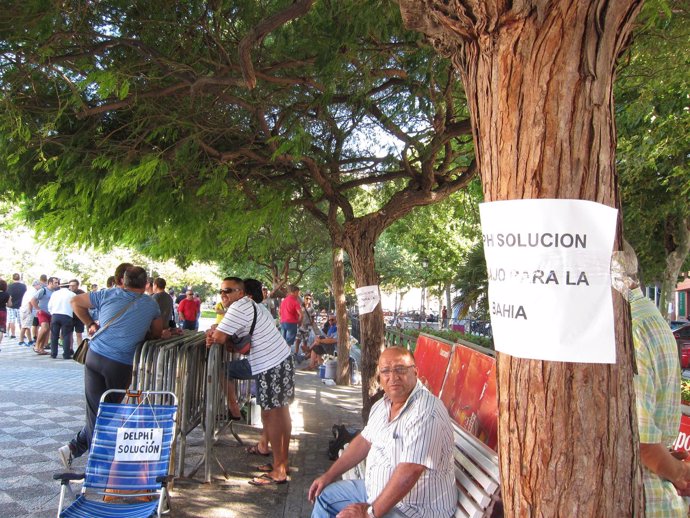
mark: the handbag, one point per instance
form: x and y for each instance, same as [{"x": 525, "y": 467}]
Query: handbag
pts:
[
  {"x": 79, "y": 355},
  {"x": 243, "y": 344}
]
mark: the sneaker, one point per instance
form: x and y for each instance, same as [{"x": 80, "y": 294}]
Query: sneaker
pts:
[
  {"x": 23, "y": 344},
  {"x": 13, "y": 337},
  {"x": 65, "y": 453}
]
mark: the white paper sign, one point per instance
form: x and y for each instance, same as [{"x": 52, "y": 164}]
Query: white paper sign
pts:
[
  {"x": 368, "y": 298},
  {"x": 138, "y": 444},
  {"x": 549, "y": 264}
]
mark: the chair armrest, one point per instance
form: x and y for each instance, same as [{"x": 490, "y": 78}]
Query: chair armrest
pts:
[
  {"x": 66, "y": 477},
  {"x": 164, "y": 479}
]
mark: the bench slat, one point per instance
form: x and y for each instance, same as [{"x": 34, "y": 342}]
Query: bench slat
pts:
[
  {"x": 480, "y": 478},
  {"x": 472, "y": 488},
  {"x": 468, "y": 505},
  {"x": 471, "y": 449}
]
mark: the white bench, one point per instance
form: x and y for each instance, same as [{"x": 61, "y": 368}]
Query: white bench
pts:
[{"x": 477, "y": 477}]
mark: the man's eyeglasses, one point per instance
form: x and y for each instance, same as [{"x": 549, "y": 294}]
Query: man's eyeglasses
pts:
[
  {"x": 228, "y": 291},
  {"x": 400, "y": 370}
]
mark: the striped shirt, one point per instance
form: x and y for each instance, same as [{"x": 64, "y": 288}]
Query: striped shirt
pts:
[
  {"x": 268, "y": 346},
  {"x": 421, "y": 433},
  {"x": 657, "y": 397}
]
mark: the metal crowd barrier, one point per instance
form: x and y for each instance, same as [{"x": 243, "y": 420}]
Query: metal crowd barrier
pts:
[
  {"x": 196, "y": 375},
  {"x": 217, "y": 414}
]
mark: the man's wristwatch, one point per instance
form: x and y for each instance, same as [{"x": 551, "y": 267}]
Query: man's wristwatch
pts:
[{"x": 370, "y": 511}]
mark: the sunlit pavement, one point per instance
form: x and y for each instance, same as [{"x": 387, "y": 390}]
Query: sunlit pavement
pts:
[{"x": 42, "y": 406}]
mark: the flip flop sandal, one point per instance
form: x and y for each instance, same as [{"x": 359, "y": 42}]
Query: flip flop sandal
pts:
[
  {"x": 254, "y": 450},
  {"x": 41, "y": 353},
  {"x": 266, "y": 480},
  {"x": 267, "y": 468}
]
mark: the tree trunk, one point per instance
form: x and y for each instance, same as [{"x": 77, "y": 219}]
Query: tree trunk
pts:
[
  {"x": 343, "y": 372},
  {"x": 359, "y": 241},
  {"x": 538, "y": 78},
  {"x": 675, "y": 259}
]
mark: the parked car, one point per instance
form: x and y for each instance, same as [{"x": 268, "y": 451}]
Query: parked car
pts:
[
  {"x": 675, "y": 324},
  {"x": 682, "y": 336}
]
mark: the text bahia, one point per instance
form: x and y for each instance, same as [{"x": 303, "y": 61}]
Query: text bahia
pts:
[{"x": 508, "y": 310}]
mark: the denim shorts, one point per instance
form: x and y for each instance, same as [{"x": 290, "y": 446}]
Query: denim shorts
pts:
[{"x": 239, "y": 370}]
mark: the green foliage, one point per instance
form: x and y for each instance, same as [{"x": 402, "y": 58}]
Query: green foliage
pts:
[
  {"x": 685, "y": 391},
  {"x": 130, "y": 122},
  {"x": 473, "y": 284},
  {"x": 653, "y": 120},
  {"x": 453, "y": 336},
  {"x": 441, "y": 234}
]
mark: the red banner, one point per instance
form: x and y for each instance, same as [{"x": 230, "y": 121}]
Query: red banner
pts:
[
  {"x": 432, "y": 357},
  {"x": 469, "y": 393},
  {"x": 683, "y": 440}
]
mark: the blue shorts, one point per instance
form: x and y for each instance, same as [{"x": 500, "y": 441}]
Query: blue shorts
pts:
[{"x": 239, "y": 370}]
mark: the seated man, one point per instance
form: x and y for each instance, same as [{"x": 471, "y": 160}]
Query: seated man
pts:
[
  {"x": 324, "y": 344},
  {"x": 408, "y": 444}
]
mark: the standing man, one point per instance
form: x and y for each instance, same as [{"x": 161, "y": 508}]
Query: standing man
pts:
[
  {"x": 40, "y": 303},
  {"x": 271, "y": 365},
  {"x": 305, "y": 328},
  {"x": 408, "y": 444},
  {"x": 188, "y": 311},
  {"x": 16, "y": 291},
  {"x": 127, "y": 318},
  {"x": 290, "y": 315},
  {"x": 657, "y": 397},
  {"x": 164, "y": 301},
  {"x": 61, "y": 322},
  {"x": 78, "y": 324},
  {"x": 268, "y": 301}
]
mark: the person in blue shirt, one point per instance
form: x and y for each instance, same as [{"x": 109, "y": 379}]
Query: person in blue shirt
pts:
[
  {"x": 324, "y": 344},
  {"x": 127, "y": 318}
]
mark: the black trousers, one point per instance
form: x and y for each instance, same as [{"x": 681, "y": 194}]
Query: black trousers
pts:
[{"x": 100, "y": 374}]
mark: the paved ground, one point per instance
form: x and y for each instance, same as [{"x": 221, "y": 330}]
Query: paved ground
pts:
[{"x": 42, "y": 406}]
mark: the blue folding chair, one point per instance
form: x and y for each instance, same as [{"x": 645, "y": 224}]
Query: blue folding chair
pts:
[{"x": 128, "y": 466}]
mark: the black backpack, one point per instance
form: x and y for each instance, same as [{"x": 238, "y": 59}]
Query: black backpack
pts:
[{"x": 342, "y": 435}]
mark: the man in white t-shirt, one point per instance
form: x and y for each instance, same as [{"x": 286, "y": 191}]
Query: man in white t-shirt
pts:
[
  {"x": 271, "y": 365},
  {"x": 61, "y": 321}
]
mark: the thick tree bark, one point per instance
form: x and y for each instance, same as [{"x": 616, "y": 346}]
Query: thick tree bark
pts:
[
  {"x": 358, "y": 241},
  {"x": 538, "y": 77},
  {"x": 338, "y": 280},
  {"x": 680, "y": 237}
]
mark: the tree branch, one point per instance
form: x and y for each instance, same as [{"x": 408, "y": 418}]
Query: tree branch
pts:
[{"x": 258, "y": 33}]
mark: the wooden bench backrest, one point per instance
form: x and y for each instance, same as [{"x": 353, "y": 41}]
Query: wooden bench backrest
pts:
[{"x": 476, "y": 475}]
